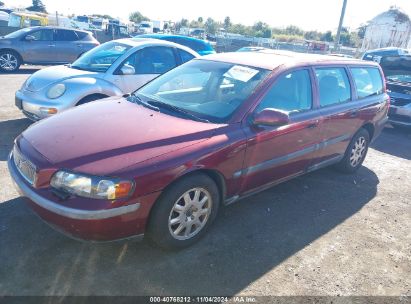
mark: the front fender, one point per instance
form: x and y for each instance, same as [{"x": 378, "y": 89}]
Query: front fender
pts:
[{"x": 82, "y": 87}]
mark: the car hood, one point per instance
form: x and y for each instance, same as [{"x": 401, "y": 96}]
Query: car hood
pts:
[
  {"x": 105, "y": 136},
  {"x": 50, "y": 75}
]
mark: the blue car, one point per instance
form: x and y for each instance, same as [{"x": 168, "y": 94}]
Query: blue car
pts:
[{"x": 200, "y": 46}]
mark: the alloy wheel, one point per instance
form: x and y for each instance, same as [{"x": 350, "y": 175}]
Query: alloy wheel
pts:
[
  {"x": 8, "y": 62},
  {"x": 190, "y": 213},
  {"x": 358, "y": 151}
]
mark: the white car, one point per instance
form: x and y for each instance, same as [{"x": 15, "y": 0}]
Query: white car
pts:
[{"x": 114, "y": 68}]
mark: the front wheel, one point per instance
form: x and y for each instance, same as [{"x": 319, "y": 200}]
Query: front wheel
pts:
[
  {"x": 184, "y": 212},
  {"x": 9, "y": 61},
  {"x": 355, "y": 154}
]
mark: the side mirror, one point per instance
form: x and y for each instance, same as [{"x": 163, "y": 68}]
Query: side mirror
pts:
[
  {"x": 30, "y": 38},
  {"x": 271, "y": 117},
  {"x": 127, "y": 70}
]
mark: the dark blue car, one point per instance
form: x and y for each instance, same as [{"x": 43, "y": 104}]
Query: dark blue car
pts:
[
  {"x": 377, "y": 54},
  {"x": 200, "y": 46}
]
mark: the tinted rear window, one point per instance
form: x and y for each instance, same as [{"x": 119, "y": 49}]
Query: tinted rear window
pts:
[
  {"x": 66, "y": 35},
  {"x": 368, "y": 81},
  {"x": 81, "y": 35}
]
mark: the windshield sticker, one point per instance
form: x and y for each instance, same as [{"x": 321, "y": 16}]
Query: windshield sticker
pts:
[{"x": 241, "y": 73}]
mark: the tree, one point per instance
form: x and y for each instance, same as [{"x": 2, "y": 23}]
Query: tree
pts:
[
  {"x": 200, "y": 20},
  {"x": 1, "y": 3},
  {"x": 361, "y": 31},
  {"x": 261, "y": 29},
  {"x": 227, "y": 23},
  {"x": 184, "y": 22},
  {"x": 312, "y": 35},
  {"x": 210, "y": 26},
  {"x": 327, "y": 36},
  {"x": 37, "y": 6},
  {"x": 137, "y": 17},
  {"x": 293, "y": 30}
]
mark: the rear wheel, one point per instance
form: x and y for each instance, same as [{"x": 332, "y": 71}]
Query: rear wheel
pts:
[
  {"x": 184, "y": 212},
  {"x": 356, "y": 152},
  {"x": 9, "y": 61}
]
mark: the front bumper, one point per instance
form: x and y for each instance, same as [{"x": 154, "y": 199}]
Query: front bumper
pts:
[
  {"x": 95, "y": 225},
  {"x": 32, "y": 104}
]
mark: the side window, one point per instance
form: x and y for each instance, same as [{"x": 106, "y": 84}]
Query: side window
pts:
[
  {"x": 334, "y": 86},
  {"x": 368, "y": 81},
  {"x": 66, "y": 35},
  {"x": 185, "y": 56},
  {"x": 42, "y": 35},
  {"x": 81, "y": 35},
  {"x": 154, "y": 60},
  {"x": 291, "y": 93}
]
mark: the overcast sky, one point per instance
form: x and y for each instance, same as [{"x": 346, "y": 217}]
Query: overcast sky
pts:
[{"x": 309, "y": 14}]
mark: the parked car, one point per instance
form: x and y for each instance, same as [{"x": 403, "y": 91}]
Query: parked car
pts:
[
  {"x": 377, "y": 54},
  {"x": 43, "y": 45},
  {"x": 397, "y": 70},
  {"x": 200, "y": 46},
  {"x": 112, "y": 69},
  {"x": 162, "y": 161}
]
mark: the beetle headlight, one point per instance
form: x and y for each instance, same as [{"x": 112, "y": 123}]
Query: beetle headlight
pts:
[
  {"x": 92, "y": 186},
  {"x": 56, "y": 91}
]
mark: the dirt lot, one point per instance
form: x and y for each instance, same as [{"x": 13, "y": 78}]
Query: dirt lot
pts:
[{"x": 321, "y": 234}]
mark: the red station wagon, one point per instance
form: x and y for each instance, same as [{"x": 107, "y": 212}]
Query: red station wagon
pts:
[{"x": 161, "y": 161}]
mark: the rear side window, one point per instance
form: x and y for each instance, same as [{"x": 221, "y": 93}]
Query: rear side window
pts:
[
  {"x": 42, "y": 35},
  {"x": 368, "y": 81},
  {"x": 66, "y": 35},
  {"x": 291, "y": 93},
  {"x": 81, "y": 35},
  {"x": 334, "y": 86},
  {"x": 185, "y": 56}
]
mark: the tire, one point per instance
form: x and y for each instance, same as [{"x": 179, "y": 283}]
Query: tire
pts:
[
  {"x": 174, "y": 212},
  {"x": 356, "y": 152},
  {"x": 90, "y": 98},
  {"x": 10, "y": 61}
]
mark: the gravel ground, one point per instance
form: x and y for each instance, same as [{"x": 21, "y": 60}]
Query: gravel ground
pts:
[{"x": 320, "y": 234}]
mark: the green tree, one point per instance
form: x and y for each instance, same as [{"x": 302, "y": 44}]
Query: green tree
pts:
[
  {"x": 227, "y": 23},
  {"x": 200, "y": 20},
  {"x": 137, "y": 17},
  {"x": 261, "y": 29},
  {"x": 184, "y": 22},
  {"x": 312, "y": 35},
  {"x": 37, "y": 6},
  {"x": 210, "y": 26},
  {"x": 361, "y": 31},
  {"x": 327, "y": 36},
  {"x": 293, "y": 30}
]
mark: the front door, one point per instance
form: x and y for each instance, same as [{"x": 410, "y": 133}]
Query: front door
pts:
[
  {"x": 40, "y": 46},
  {"x": 148, "y": 63},
  {"x": 277, "y": 153}
]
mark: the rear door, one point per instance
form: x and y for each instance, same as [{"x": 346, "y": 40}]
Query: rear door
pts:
[
  {"x": 148, "y": 63},
  {"x": 277, "y": 153},
  {"x": 40, "y": 48},
  {"x": 68, "y": 47},
  {"x": 340, "y": 111}
]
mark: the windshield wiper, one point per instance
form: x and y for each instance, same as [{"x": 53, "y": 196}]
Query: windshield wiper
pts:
[
  {"x": 176, "y": 109},
  {"x": 134, "y": 98}
]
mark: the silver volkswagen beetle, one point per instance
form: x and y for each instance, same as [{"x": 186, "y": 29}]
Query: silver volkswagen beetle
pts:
[{"x": 114, "y": 68}]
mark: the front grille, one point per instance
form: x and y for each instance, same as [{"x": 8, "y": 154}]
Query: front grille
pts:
[
  {"x": 24, "y": 166},
  {"x": 400, "y": 102}
]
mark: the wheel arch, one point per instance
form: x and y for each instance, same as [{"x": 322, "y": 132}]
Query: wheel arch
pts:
[
  {"x": 14, "y": 51},
  {"x": 91, "y": 96},
  {"x": 369, "y": 127}
]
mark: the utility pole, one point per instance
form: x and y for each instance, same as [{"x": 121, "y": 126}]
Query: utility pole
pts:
[{"x": 337, "y": 39}]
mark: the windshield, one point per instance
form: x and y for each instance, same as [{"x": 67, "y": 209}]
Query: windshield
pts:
[
  {"x": 18, "y": 33},
  {"x": 101, "y": 58},
  {"x": 397, "y": 68},
  {"x": 209, "y": 90}
]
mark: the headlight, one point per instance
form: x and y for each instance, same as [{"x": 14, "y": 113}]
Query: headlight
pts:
[
  {"x": 92, "y": 186},
  {"x": 56, "y": 91}
]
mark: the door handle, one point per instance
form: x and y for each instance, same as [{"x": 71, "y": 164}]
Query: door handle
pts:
[
  {"x": 313, "y": 125},
  {"x": 354, "y": 113},
  {"x": 51, "y": 45}
]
